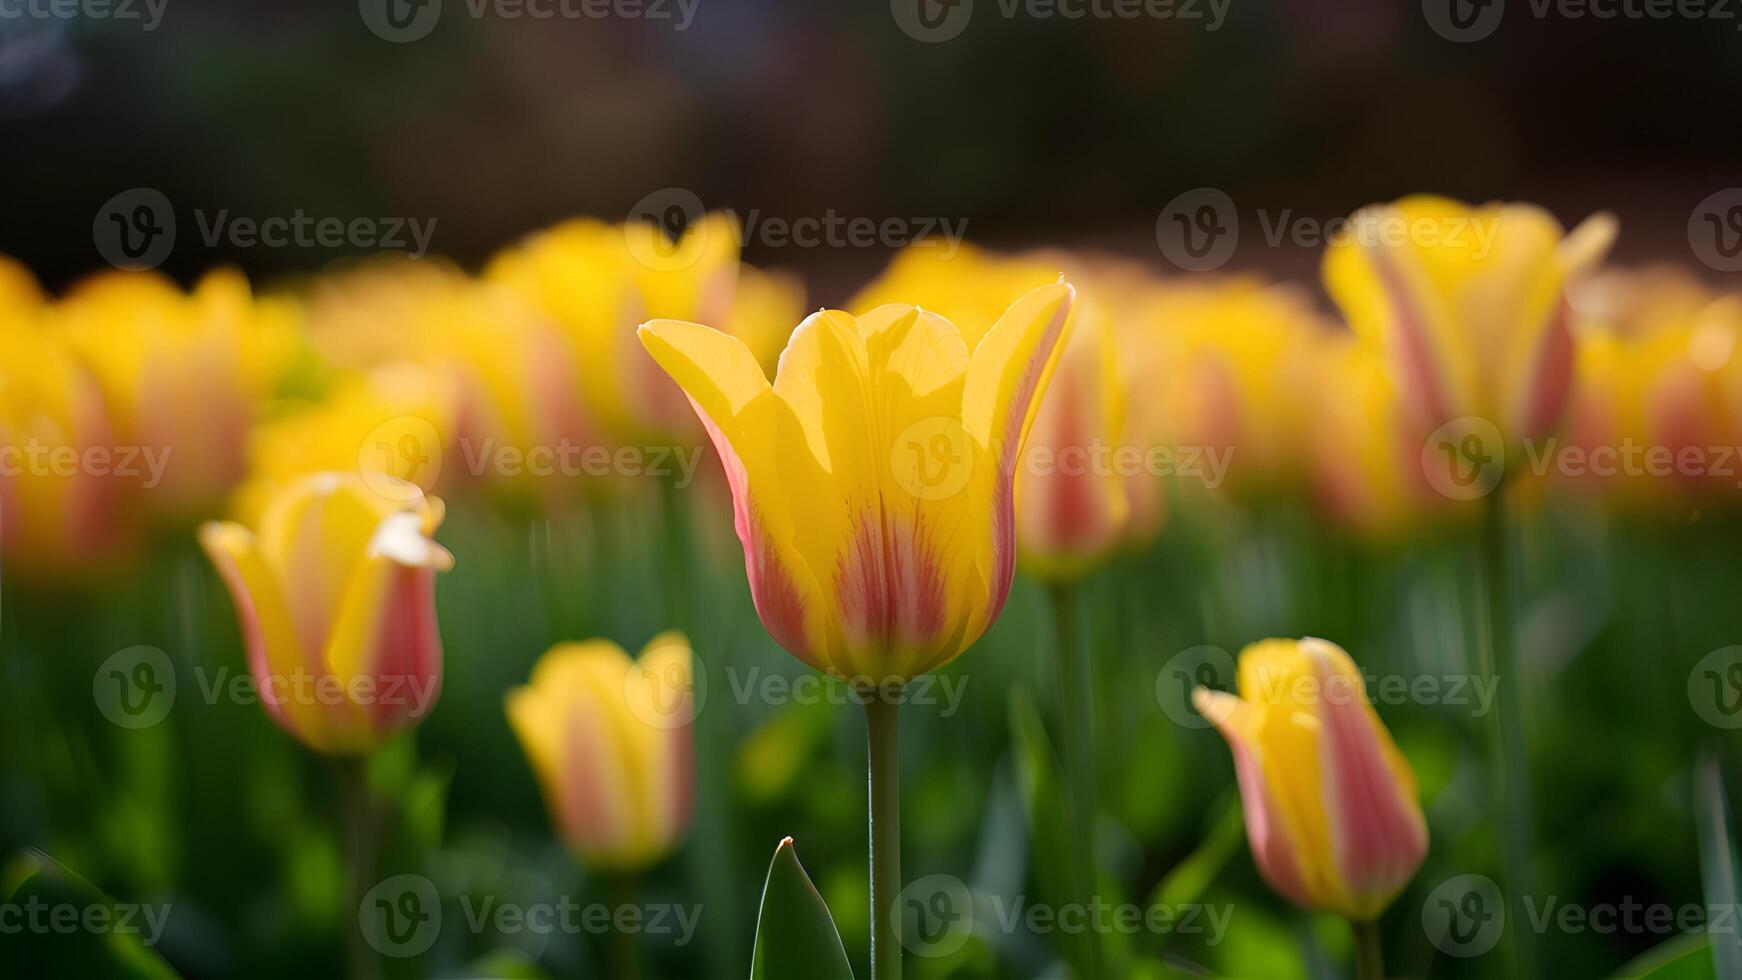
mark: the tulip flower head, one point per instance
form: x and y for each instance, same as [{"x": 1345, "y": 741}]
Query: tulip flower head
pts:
[
  {"x": 1330, "y": 802},
  {"x": 597, "y": 282},
  {"x": 185, "y": 374},
  {"x": 335, "y": 592},
  {"x": 609, "y": 740},
  {"x": 1470, "y": 306},
  {"x": 63, "y": 510},
  {"x": 1071, "y": 505},
  {"x": 873, "y": 480}
]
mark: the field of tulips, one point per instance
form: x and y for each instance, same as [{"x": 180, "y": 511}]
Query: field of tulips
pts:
[{"x": 609, "y": 610}]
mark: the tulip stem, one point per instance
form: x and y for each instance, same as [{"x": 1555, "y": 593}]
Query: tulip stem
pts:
[
  {"x": 1506, "y": 734},
  {"x": 359, "y": 818},
  {"x": 882, "y": 714},
  {"x": 1076, "y": 716},
  {"x": 628, "y": 959},
  {"x": 1369, "y": 954}
]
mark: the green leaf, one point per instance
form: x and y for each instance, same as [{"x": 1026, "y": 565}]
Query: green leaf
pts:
[
  {"x": 1717, "y": 861},
  {"x": 82, "y": 933},
  {"x": 796, "y": 938},
  {"x": 1686, "y": 957}
]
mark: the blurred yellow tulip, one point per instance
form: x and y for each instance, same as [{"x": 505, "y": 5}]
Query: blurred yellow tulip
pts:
[
  {"x": 609, "y": 740},
  {"x": 1469, "y": 305},
  {"x": 1330, "y": 803},
  {"x": 598, "y": 281},
  {"x": 872, "y": 482},
  {"x": 1230, "y": 369},
  {"x": 67, "y": 497},
  {"x": 185, "y": 374},
  {"x": 1654, "y": 415},
  {"x": 1367, "y": 474},
  {"x": 394, "y": 423},
  {"x": 335, "y": 593}
]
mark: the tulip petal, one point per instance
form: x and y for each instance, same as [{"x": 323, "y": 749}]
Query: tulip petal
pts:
[
  {"x": 1273, "y": 848},
  {"x": 1007, "y": 375},
  {"x": 763, "y": 452},
  {"x": 275, "y": 652},
  {"x": 1378, "y": 836}
]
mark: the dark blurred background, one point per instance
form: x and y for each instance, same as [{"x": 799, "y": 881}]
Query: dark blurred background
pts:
[{"x": 1055, "y": 130}]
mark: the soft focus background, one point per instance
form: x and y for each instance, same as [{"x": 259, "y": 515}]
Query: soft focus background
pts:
[{"x": 1026, "y": 132}]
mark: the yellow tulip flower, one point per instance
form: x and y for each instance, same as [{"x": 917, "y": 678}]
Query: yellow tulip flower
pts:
[
  {"x": 394, "y": 423},
  {"x": 1072, "y": 500},
  {"x": 185, "y": 374},
  {"x": 1469, "y": 304},
  {"x": 872, "y": 481},
  {"x": 335, "y": 594},
  {"x": 67, "y": 502},
  {"x": 1330, "y": 803},
  {"x": 609, "y": 740},
  {"x": 597, "y": 282}
]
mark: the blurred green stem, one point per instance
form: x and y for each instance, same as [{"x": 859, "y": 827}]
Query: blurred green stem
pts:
[
  {"x": 1077, "y": 738},
  {"x": 1369, "y": 956},
  {"x": 628, "y": 959},
  {"x": 359, "y": 817},
  {"x": 1495, "y": 637},
  {"x": 711, "y": 855},
  {"x": 882, "y": 714}
]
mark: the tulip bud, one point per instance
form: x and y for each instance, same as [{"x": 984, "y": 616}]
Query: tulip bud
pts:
[
  {"x": 1330, "y": 803},
  {"x": 609, "y": 740},
  {"x": 335, "y": 592}
]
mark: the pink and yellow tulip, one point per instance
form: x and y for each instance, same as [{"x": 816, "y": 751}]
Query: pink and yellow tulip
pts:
[
  {"x": 1469, "y": 304},
  {"x": 597, "y": 282},
  {"x": 1072, "y": 503},
  {"x": 184, "y": 374},
  {"x": 1330, "y": 803},
  {"x": 873, "y": 481},
  {"x": 609, "y": 740},
  {"x": 64, "y": 509},
  {"x": 335, "y": 593}
]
